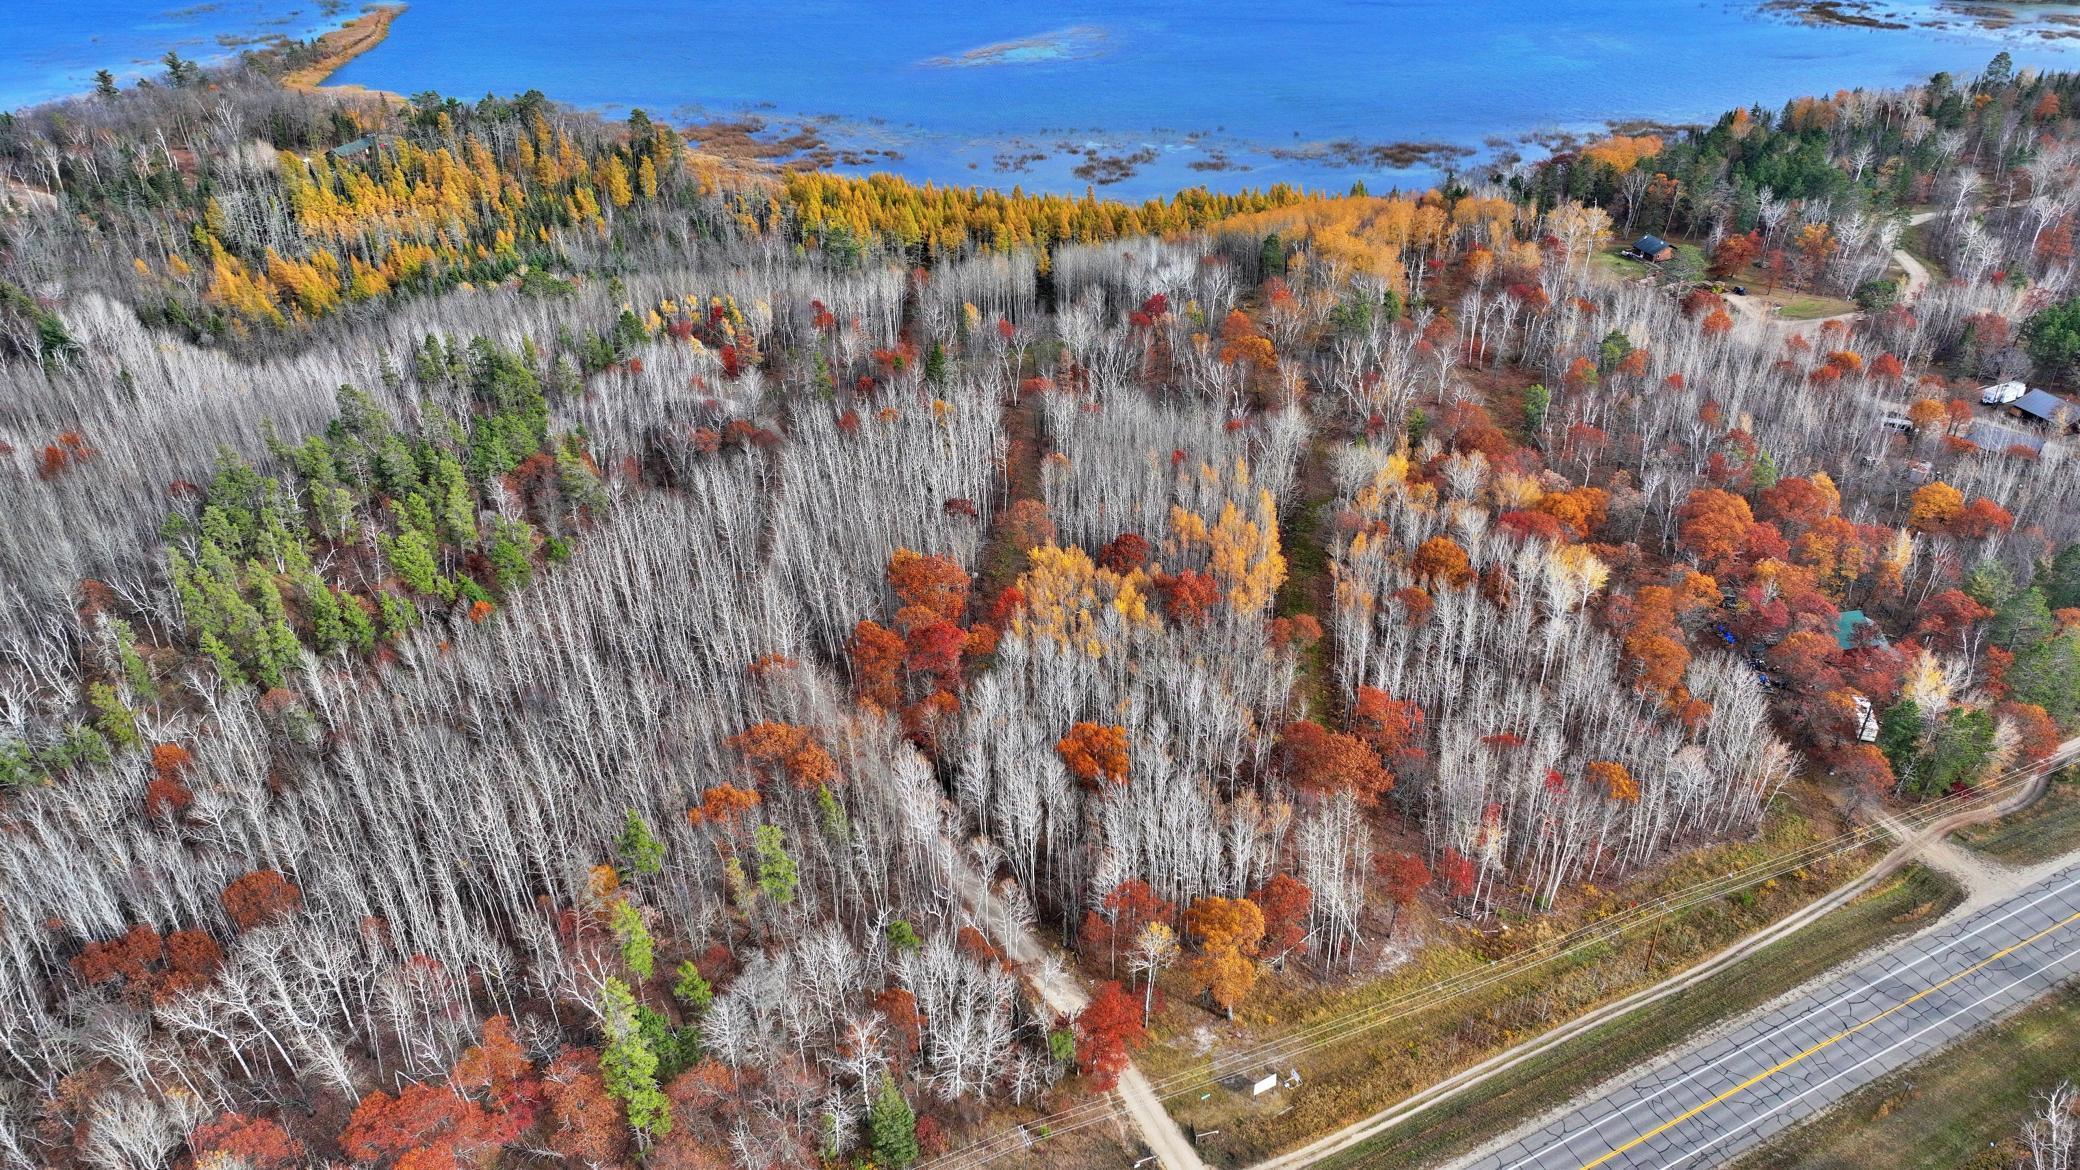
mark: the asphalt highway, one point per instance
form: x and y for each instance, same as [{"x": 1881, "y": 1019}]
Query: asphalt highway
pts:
[{"x": 1728, "y": 1093}]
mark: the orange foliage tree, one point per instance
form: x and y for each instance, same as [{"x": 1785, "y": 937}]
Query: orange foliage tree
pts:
[
  {"x": 1615, "y": 780},
  {"x": 586, "y": 1124},
  {"x": 1714, "y": 526},
  {"x": 1228, "y": 932},
  {"x": 1096, "y": 753},
  {"x": 167, "y": 794},
  {"x": 1440, "y": 561},
  {"x": 933, "y": 583},
  {"x": 877, "y": 654},
  {"x": 255, "y": 1143},
  {"x": 1935, "y": 508},
  {"x": 783, "y": 751}
]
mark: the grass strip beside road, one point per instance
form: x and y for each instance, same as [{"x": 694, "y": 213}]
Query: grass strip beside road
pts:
[
  {"x": 1903, "y": 904},
  {"x": 1411, "y": 1048},
  {"x": 2049, "y": 827},
  {"x": 1961, "y": 1108}
]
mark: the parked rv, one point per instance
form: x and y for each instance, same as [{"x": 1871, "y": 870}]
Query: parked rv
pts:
[{"x": 2002, "y": 393}]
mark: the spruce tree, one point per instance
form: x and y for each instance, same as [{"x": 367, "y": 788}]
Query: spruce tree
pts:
[
  {"x": 892, "y": 1126},
  {"x": 642, "y": 855}
]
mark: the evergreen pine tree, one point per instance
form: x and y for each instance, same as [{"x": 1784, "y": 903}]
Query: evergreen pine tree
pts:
[{"x": 629, "y": 1067}]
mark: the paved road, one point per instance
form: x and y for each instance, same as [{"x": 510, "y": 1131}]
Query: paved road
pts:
[{"x": 1713, "y": 1103}]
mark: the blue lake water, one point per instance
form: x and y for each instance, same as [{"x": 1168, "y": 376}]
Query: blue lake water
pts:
[
  {"x": 974, "y": 92},
  {"x": 50, "y": 48}
]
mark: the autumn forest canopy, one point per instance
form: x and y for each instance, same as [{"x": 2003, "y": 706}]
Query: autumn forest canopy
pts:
[{"x": 523, "y": 640}]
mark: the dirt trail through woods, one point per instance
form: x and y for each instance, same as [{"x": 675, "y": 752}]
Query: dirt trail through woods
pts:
[
  {"x": 1917, "y": 279},
  {"x": 1058, "y": 988}
]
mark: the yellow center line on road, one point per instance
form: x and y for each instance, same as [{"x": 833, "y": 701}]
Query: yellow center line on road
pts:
[{"x": 1837, "y": 1038}]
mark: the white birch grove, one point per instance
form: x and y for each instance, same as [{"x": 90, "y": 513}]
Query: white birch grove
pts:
[{"x": 1520, "y": 698}]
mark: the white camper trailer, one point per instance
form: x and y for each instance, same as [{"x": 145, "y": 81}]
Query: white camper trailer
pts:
[{"x": 2002, "y": 393}]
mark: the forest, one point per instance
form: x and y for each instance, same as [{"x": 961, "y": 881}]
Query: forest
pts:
[{"x": 522, "y": 643}]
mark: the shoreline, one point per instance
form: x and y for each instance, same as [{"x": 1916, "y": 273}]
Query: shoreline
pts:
[{"x": 342, "y": 45}]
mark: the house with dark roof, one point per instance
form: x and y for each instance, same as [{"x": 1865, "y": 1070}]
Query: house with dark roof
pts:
[
  {"x": 1654, "y": 248},
  {"x": 359, "y": 145},
  {"x": 2045, "y": 409}
]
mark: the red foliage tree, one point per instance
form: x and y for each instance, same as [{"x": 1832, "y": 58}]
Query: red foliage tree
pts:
[
  {"x": 1530, "y": 524},
  {"x": 1405, "y": 875},
  {"x": 425, "y": 1120},
  {"x": 1983, "y": 517},
  {"x": 261, "y": 897},
  {"x": 1104, "y": 1028},
  {"x": 1319, "y": 760},
  {"x": 1456, "y": 872},
  {"x": 1188, "y": 596},
  {"x": 1797, "y": 502},
  {"x": 1284, "y": 901},
  {"x": 1943, "y": 620},
  {"x": 1391, "y": 727},
  {"x": 933, "y": 653},
  {"x": 254, "y": 1142},
  {"x": 1119, "y": 919},
  {"x": 1125, "y": 553}
]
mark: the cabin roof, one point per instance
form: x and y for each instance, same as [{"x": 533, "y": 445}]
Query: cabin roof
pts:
[
  {"x": 1846, "y": 626},
  {"x": 1650, "y": 244},
  {"x": 2042, "y": 404}
]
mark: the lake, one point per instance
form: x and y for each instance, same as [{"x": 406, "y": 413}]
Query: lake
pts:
[{"x": 1138, "y": 98}]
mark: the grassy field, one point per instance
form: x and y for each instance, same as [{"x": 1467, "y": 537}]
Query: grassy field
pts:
[
  {"x": 1352, "y": 1079},
  {"x": 2049, "y": 827},
  {"x": 1794, "y": 306},
  {"x": 1960, "y": 1109},
  {"x": 1895, "y": 908}
]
